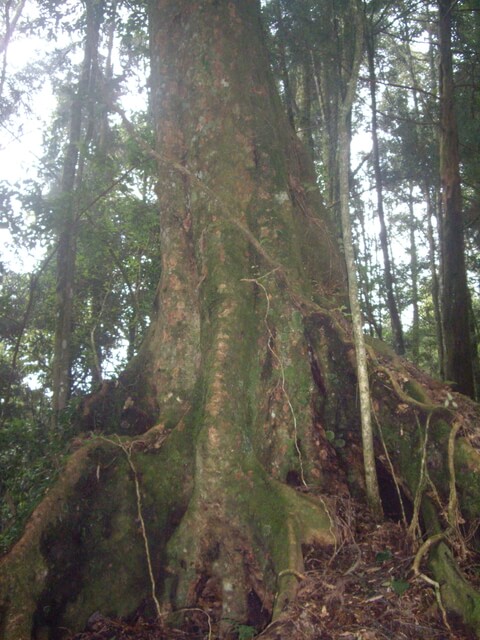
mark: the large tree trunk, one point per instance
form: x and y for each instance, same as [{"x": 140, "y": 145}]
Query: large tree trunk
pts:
[
  {"x": 226, "y": 468},
  {"x": 455, "y": 294}
]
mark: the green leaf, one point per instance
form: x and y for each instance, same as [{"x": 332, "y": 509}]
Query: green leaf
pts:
[
  {"x": 400, "y": 586},
  {"x": 245, "y": 632},
  {"x": 383, "y": 556}
]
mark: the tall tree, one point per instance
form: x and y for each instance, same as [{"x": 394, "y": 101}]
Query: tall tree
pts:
[
  {"x": 434, "y": 279},
  {"x": 343, "y": 160},
  {"x": 67, "y": 210},
  {"x": 415, "y": 338},
  {"x": 455, "y": 295},
  {"x": 247, "y": 371}
]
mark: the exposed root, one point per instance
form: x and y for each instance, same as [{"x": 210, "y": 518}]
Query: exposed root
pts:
[
  {"x": 291, "y": 572},
  {"x": 424, "y": 549},
  {"x": 407, "y": 399},
  {"x": 454, "y": 516},
  {"x": 414, "y": 528}
]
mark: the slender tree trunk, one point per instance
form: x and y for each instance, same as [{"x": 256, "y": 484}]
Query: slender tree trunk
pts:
[
  {"x": 435, "y": 284},
  {"x": 67, "y": 234},
  {"x": 99, "y": 135},
  {"x": 307, "y": 124},
  {"x": 62, "y": 351},
  {"x": 474, "y": 335},
  {"x": 327, "y": 103},
  {"x": 287, "y": 89},
  {"x": 455, "y": 295},
  {"x": 375, "y": 325},
  {"x": 344, "y": 136},
  {"x": 395, "y": 321},
  {"x": 329, "y": 84},
  {"x": 415, "y": 330}
]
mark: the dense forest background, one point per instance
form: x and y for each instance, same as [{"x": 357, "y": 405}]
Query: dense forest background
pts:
[{"x": 81, "y": 260}]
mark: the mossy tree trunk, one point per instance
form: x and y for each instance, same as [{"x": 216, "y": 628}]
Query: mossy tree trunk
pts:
[{"x": 232, "y": 436}]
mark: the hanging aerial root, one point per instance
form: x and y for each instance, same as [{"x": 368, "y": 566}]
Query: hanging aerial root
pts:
[
  {"x": 275, "y": 355},
  {"x": 414, "y": 528}
]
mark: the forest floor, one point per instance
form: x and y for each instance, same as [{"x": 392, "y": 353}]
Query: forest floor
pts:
[{"x": 364, "y": 590}]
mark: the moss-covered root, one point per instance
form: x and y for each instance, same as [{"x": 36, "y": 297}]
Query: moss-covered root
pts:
[
  {"x": 458, "y": 596},
  {"x": 24, "y": 570},
  {"x": 256, "y": 553},
  {"x": 84, "y": 549},
  {"x": 456, "y": 593},
  {"x": 307, "y": 521}
]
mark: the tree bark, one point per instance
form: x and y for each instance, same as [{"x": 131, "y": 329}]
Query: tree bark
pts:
[
  {"x": 239, "y": 426},
  {"x": 455, "y": 295},
  {"x": 435, "y": 284}
]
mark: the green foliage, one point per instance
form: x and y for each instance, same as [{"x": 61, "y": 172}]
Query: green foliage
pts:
[
  {"x": 30, "y": 460},
  {"x": 117, "y": 249},
  {"x": 399, "y": 586},
  {"x": 383, "y": 556},
  {"x": 243, "y": 631},
  {"x": 337, "y": 442}
]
